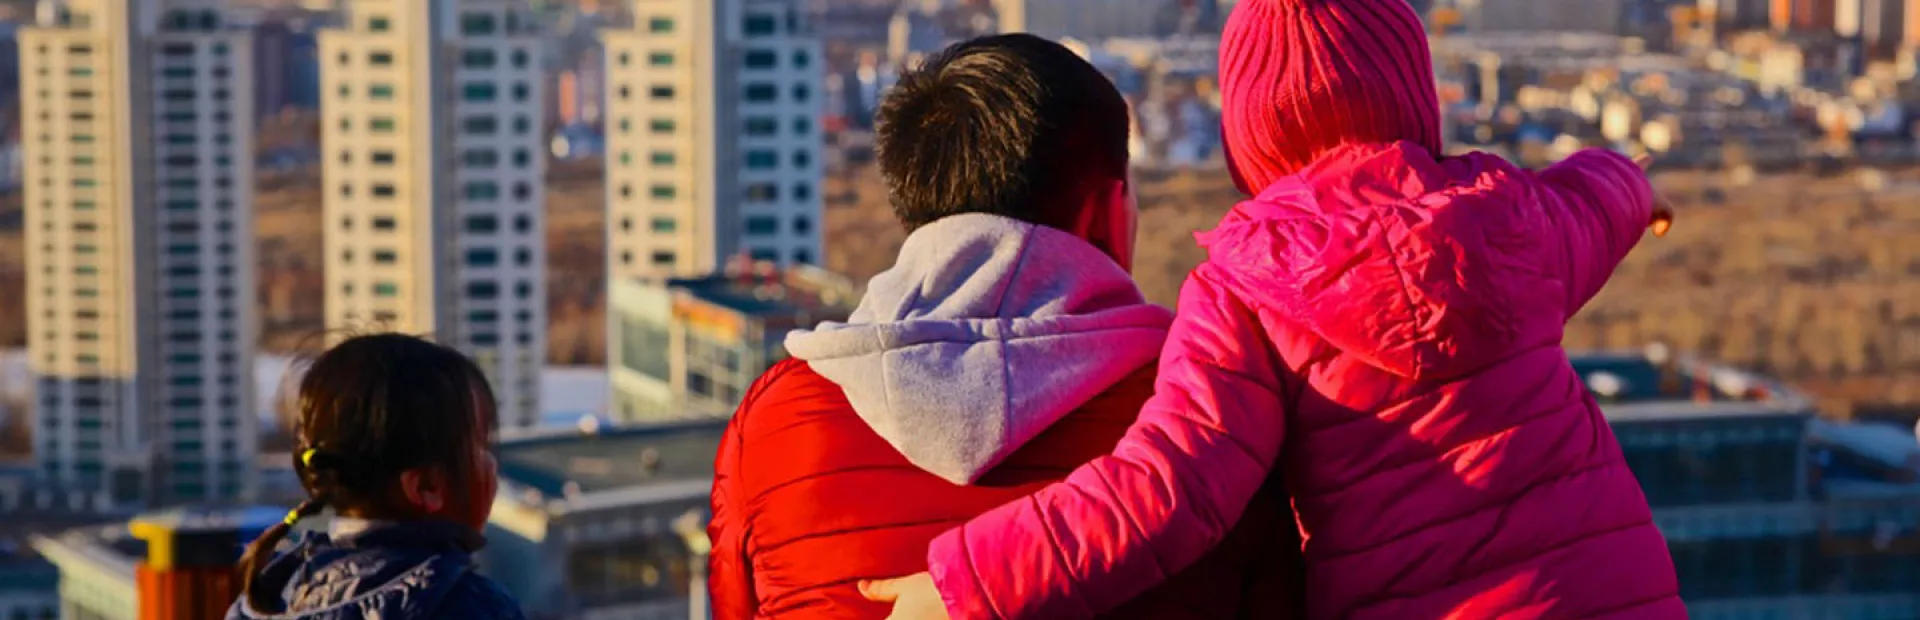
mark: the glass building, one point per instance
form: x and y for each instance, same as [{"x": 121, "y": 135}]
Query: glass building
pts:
[{"x": 1768, "y": 511}]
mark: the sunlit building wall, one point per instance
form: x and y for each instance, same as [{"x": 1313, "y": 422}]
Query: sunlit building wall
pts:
[
  {"x": 139, "y": 167},
  {"x": 433, "y": 145}
]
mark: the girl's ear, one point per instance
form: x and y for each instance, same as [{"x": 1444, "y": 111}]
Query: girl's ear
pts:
[{"x": 426, "y": 489}]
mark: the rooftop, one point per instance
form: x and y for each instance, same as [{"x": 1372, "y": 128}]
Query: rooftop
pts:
[
  {"x": 575, "y": 462},
  {"x": 760, "y": 289},
  {"x": 1656, "y": 385}
]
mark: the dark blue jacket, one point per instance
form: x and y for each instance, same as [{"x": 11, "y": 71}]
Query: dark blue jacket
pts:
[{"x": 386, "y": 571}]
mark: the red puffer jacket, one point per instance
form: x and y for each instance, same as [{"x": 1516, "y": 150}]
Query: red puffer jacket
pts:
[{"x": 809, "y": 500}]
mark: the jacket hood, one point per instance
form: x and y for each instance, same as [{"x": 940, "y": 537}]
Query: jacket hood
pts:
[
  {"x": 365, "y": 569},
  {"x": 1426, "y": 269},
  {"x": 984, "y": 333}
]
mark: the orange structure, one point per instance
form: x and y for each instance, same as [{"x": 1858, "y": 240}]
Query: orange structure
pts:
[{"x": 189, "y": 570}]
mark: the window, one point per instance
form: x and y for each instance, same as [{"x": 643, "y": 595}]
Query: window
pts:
[
  {"x": 380, "y": 59},
  {"x": 522, "y": 158},
  {"x": 483, "y": 290},
  {"x": 522, "y": 191},
  {"x": 665, "y": 225},
  {"x": 484, "y": 224},
  {"x": 473, "y": 24},
  {"x": 478, "y": 158},
  {"x": 522, "y": 125},
  {"x": 802, "y": 192},
  {"x": 762, "y": 126},
  {"x": 762, "y": 160},
  {"x": 385, "y": 223},
  {"x": 385, "y": 257},
  {"x": 483, "y": 316},
  {"x": 522, "y": 223},
  {"x": 661, "y": 126},
  {"x": 478, "y": 91},
  {"x": 664, "y": 192},
  {"x": 801, "y": 59},
  {"x": 481, "y": 125},
  {"x": 801, "y": 92},
  {"x": 520, "y": 58},
  {"x": 803, "y": 257},
  {"x": 802, "y": 126},
  {"x": 660, "y": 25},
  {"x": 763, "y": 192},
  {"x": 761, "y": 93},
  {"x": 482, "y": 190},
  {"x": 522, "y": 92},
  {"x": 761, "y": 25},
  {"x": 762, "y": 225},
  {"x": 379, "y": 24},
  {"x": 381, "y": 92},
  {"x": 384, "y": 190},
  {"x": 761, "y": 59},
  {"x": 383, "y": 124},
  {"x": 478, "y": 58},
  {"x": 802, "y": 225},
  {"x": 383, "y": 158},
  {"x": 386, "y": 289},
  {"x": 802, "y": 159},
  {"x": 662, "y": 159},
  {"x": 764, "y": 255},
  {"x": 523, "y": 289},
  {"x": 657, "y": 59},
  {"x": 660, "y": 93}
]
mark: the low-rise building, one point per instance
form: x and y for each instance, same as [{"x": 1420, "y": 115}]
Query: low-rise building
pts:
[
  {"x": 102, "y": 568},
  {"x": 1769, "y": 512},
  {"x": 604, "y": 524},
  {"x": 689, "y": 348}
]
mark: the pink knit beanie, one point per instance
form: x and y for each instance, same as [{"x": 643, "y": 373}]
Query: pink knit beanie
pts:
[{"x": 1300, "y": 77}]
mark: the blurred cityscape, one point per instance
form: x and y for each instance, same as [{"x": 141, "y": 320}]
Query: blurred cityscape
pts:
[{"x": 619, "y": 208}]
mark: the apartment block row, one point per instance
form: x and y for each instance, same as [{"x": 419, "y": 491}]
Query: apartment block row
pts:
[{"x": 139, "y": 171}]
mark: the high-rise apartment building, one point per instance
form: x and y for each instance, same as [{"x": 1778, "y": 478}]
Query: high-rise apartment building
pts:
[
  {"x": 139, "y": 168},
  {"x": 713, "y": 148},
  {"x": 433, "y": 142}
]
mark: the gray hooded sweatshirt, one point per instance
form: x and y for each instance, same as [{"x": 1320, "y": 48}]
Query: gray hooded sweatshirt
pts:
[{"x": 987, "y": 331}]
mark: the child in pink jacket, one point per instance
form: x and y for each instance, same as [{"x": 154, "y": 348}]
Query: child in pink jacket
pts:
[{"x": 1381, "y": 328}]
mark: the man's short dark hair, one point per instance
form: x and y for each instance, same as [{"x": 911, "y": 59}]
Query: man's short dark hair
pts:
[{"x": 1012, "y": 125}]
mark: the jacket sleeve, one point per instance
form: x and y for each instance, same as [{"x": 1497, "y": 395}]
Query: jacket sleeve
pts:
[
  {"x": 1600, "y": 202},
  {"x": 1175, "y": 484},
  {"x": 729, "y": 567}
]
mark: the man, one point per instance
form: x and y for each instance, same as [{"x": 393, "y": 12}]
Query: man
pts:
[{"x": 1005, "y": 347}]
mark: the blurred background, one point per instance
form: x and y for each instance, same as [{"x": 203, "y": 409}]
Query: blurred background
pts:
[{"x": 619, "y": 207}]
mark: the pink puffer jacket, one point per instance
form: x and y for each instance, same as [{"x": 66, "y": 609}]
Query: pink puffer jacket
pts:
[{"x": 1386, "y": 327}]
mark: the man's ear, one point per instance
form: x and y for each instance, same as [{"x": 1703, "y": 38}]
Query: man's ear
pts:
[{"x": 426, "y": 489}]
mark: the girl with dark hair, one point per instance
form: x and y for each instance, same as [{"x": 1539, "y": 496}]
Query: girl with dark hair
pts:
[{"x": 393, "y": 435}]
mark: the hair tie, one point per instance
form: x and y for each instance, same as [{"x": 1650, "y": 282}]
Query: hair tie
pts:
[
  {"x": 293, "y": 516},
  {"x": 306, "y": 458}
]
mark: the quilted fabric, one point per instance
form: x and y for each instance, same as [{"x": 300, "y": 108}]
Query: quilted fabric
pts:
[{"x": 1384, "y": 330}]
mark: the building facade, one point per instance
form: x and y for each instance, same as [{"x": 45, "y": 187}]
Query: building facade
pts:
[
  {"x": 713, "y": 148},
  {"x": 139, "y": 167},
  {"x": 1765, "y": 509},
  {"x": 689, "y": 348},
  {"x": 435, "y": 163}
]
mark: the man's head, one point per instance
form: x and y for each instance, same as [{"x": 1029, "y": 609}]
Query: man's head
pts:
[{"x": 1015, "y": 126}]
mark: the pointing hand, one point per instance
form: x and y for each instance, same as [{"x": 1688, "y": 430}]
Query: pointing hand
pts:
[{"x": 1662, "y": 208}]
